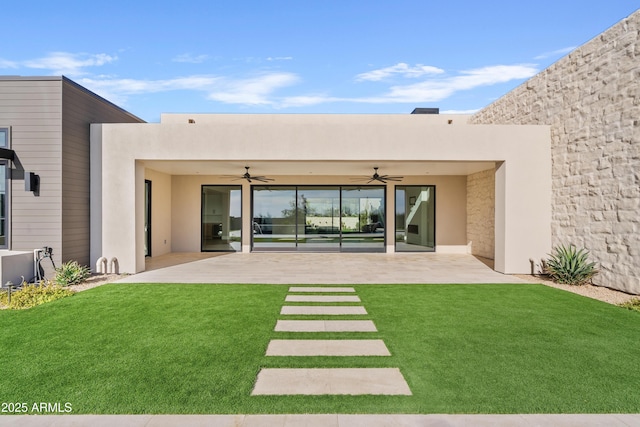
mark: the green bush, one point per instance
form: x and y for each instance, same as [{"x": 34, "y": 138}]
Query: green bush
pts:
[
  {"x": 71, "y": 273},
  {"x": 570, "y": 266},
  {"x": 35, "y": 294},
  {"x": 633, "y": 304}
]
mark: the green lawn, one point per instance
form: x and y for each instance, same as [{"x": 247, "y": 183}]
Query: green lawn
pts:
[{"x": 197, "y": 349}]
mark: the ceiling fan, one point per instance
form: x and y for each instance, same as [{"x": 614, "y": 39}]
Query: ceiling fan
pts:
[
  {"x": 250, "y": 177},
  {"x": 381, "y": 178}
]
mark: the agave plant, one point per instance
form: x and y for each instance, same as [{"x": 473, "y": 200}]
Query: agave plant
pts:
[
  {"x": 570, "y": 266},
  {"x": 71, "y": 273}
]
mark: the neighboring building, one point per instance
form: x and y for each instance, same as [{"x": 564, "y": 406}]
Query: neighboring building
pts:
[
  {"x": 44, "y": 126},
  {"x": 591, "y": 100}
]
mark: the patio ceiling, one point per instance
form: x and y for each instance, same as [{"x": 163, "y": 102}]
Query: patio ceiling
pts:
[{"x": 320, "y": 168}]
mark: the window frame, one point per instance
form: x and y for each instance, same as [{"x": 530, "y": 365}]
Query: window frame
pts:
[{"x": 6, "y": 212}]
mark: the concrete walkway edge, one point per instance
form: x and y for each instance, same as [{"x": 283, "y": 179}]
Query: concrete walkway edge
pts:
[{"x": 325, "y": 420}]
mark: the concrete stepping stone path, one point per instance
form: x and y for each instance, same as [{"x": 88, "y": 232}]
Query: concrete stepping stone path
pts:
[
  {"x": 325, "y": 326},
  {"x": 318, "y": 289},
  {"x": 327, "y": 348},
  {"x": 335, "y": 381},
  {"x": 322, "y": 298},
  {"x": 316, "y": 381},
  {"x": 323, "y": 310}
]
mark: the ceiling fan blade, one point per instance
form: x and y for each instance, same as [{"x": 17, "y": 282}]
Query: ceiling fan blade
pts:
[
  {"x": 262, "y": 178},
  {"x": 392, "y": 178}
]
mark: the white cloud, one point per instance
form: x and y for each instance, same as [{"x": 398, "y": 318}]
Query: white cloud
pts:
[
  {"x": 249, "y": 91},
  {"x": 434, "y": 90},
  {"x": 189, "y": 58},
  {"x": 279, "y": 58},
  {"x": 70, "y": 64},
  {"x": 556, "y": 52},
  {"x": 431, "y": 90},
  {"x": 402, "y": 69},
  {"x": 252, "y": 91},
  {"x": 307, "y": 100},
  {"x": 8, "y": 64}
]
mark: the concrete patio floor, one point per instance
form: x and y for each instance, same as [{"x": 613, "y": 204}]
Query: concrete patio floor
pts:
[{"x": 319, "y": 268}]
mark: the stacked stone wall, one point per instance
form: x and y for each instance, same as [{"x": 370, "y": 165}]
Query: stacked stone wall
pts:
[
  {"x": 591, "y": 100},
  {"x": 481, "y": 213}
]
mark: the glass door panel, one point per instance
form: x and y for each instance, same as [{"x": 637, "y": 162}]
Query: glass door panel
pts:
[
  {"x": 318, "y": 218},
  {"x": 362, "y": 219},
  {"x": 147, "y": 217},
  {"x": 275, "y": 214},
  {"x": 221, "y": 218},
  {"x": 415, "y": 219}
]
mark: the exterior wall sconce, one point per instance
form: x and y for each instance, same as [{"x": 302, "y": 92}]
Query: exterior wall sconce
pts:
[{"x": 31, "y": 182}]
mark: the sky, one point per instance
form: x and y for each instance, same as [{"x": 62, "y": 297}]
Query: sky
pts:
[{"x": 305, "y": 56}]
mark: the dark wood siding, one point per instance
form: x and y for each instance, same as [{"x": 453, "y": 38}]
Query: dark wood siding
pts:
[{"x": 80, "y": 109}]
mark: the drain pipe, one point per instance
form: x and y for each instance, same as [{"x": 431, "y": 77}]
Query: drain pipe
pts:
[
  {"x": 114, "y": 268},
  {"x": 101, "y": 265},
  {"x": 36, "y": 257}
]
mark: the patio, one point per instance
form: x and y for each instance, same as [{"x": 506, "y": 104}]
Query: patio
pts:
[{"x": 318, "y": 268}]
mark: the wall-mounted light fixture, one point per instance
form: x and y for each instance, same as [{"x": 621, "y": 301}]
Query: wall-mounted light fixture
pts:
[{"x": 31, "y": 182}]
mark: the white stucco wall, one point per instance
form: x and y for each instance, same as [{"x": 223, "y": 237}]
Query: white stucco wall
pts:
[{"x": 121, "y": 150}]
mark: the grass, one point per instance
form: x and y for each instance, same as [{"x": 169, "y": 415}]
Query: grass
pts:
[{"x": 198, "y": 348}]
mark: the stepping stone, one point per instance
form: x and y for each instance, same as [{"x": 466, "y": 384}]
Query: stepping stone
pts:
[
  {"x": 319, "y": 289},
  {"x": 318, "y": 381},
  {"x": 327, "y": 348},
  {"x": 323, "y": 309},
  {"x": 322, "y": 298},
  {"x": 325, "y": 326}
]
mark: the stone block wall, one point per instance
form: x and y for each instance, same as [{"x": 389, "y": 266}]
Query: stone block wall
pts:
[
  {"x": 481, "y": 213},
  {"x": 591, "y": 100}
]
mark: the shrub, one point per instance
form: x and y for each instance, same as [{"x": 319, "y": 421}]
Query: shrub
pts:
[
  {"x": 633, "y": 304},
  {"x": 570, "y": 266},
  {"x": 71, "y": 273},
  {"x": 36, "y": 294}
]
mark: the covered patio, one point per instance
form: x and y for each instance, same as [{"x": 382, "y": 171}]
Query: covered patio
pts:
[{"x": 319, "y": 268}]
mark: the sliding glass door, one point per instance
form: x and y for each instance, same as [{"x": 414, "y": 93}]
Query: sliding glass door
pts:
[
  {"x": 415, "y": 219},
  {"x": 363, "y": 219},
  {"x": 318, "y": 218},
  {"x": 221, "y": 218},
  {"x": 274, "y": 218}
]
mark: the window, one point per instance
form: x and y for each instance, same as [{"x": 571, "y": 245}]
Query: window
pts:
[
  {"x": 221, "y": 228},
  {"x": 5, "y": 140},
  {"x": 415, "y": 218},
  {"x": 4, "y": 171},
  {"x": 4, "y": 137}
]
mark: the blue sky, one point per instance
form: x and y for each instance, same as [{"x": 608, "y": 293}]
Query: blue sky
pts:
[{"x": 329, "y": 56}]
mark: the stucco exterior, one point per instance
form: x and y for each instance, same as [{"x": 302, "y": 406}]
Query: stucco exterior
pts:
[
  {"x": 591, "y": 101},
  {"x": 318, "y": 149}
]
